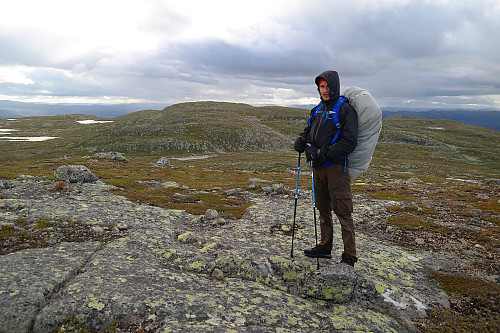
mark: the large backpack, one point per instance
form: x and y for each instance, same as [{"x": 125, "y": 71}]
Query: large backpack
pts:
[{"x": 369, "y": 126}]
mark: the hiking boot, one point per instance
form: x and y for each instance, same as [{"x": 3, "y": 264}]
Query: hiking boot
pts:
[
  {"x": 318, "y": 252},
  {"x": 347, "y": 260}
]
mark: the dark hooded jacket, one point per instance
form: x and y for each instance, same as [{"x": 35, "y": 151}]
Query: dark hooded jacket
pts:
[{"x": 320, "y": 133}]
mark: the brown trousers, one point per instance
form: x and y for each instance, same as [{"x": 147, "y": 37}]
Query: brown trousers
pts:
[{"x": 332, "y": 189}]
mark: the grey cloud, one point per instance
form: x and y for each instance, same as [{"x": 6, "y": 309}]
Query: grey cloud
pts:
[
  {"x": 216, "y": 56},
  {"x": 406, "y": 50}
]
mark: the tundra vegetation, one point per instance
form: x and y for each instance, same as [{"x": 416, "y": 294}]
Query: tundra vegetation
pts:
[{"x": 441, "y": 176}]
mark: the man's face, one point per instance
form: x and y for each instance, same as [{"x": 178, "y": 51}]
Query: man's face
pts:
[{"x": 324, "y": 90}]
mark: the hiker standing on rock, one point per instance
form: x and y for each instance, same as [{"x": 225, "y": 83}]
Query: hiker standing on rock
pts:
[{"x": 326, "y": 147}]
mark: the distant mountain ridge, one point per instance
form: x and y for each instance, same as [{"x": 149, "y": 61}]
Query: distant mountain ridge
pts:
[
  {"x": 486, "y": 118},
  {"x": 489, "y": 118},
  {"x": 13, "y": 109}
]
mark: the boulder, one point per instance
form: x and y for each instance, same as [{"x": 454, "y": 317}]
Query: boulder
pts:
[
  {"x": 163, "y": 162},
  {"x": 74, "y": 174},
  {"x": 211, "y": 214},
  {"x": 112, "y": 155}
]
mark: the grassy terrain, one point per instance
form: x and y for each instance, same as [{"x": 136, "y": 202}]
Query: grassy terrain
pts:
[{"x": 417, "y": 161}]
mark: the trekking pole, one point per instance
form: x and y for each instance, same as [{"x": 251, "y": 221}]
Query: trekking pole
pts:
[
  {"x": 314, "y": 210},
  {"x": 295, "y": 207}
]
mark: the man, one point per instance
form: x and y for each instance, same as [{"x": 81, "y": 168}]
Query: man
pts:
[{"x": 332, "y": 186}]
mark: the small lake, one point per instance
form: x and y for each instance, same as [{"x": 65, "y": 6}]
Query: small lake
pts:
[
  {"x": 6, "y": 131},
  {"x": 27, "y": 138},
  {"x": 91, "y": 121}
]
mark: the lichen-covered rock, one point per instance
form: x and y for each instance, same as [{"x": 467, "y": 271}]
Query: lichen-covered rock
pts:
[
  {"x": 211, "y": 214},
  {"x": 163, "y": 162},
  {"x": 336, "y": 285},
  {"x": 74, "y": 174},
  {"x": 5, "y": 184},
  {"x": 112, "y": 155},
  {"x": 172, "y": 274},
  {"x": 274, "y": 189}
]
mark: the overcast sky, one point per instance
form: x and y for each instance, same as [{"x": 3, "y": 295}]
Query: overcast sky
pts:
[{"x": 417, "y": 53}]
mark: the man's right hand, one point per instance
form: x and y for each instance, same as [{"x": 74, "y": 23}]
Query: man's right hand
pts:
[{"x": 300, "y": 144}]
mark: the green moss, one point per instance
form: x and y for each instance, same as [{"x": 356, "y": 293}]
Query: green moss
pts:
[
  {"x": 73, "y": 324},
  {"x": 409, "y": 221},
  {"x": 463, "y": 286},
  {"x": 7, "y": 231},
  {"x": 43, "y": 224}
]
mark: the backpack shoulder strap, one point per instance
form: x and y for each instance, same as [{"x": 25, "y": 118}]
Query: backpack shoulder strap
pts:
[
  {"x": 335, "y": 116},
  {"x": 314, "y": 114},
  {"x": 336, "y": 108}
]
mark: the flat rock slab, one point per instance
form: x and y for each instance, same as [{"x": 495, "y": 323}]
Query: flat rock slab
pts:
[
  {"x": 28, "y": 278},
  {"x": 171, "y": 271}
]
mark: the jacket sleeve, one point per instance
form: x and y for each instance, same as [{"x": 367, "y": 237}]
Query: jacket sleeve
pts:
[{"x": 348, "y": 138}]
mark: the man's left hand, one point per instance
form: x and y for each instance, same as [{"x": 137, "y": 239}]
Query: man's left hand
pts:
[{"x": 312, "y": 153}]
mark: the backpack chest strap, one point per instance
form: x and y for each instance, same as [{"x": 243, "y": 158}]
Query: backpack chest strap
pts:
[{"x": 333, "y": 114}]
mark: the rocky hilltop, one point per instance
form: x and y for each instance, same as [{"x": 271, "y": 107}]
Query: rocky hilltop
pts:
[
  {"x": 137, "y": 266},
  {"x": 144, "y": 236}
]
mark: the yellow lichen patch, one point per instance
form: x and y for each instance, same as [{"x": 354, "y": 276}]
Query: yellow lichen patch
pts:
[
  {"x": 195, "y": 266},
  {"x": 208, "y": 247}
]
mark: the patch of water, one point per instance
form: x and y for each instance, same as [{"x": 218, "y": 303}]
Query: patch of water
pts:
[
  {"x": 197, "y": 157},
  {"x": 27, "y": 138},
  {"x": 91, "y": 121},
  {"x": 463, "y": 180}
]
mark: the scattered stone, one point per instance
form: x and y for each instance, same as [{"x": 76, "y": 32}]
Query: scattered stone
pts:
[
  {"x": 178, "y": 197},
  {"x": 286, "y": 228},
  {"x": 254, "y": 186},
  {"x": 258, "y": 180},
  {"x": 74, "y": 174},
  {"x": 413, "y": 180},
  {"x": 219, "y": 222},
  {"x": 112, "y": 155},
  {"x": 98, "y": 230},
  {"x": 5, "y": 184},
  {"x": 170, "y": 184},
  {"x": 188, "y": 238},
  {"x": 122, "y": 226},
  {"x": 211, "y": 214},
  {"x": 275, "y": 189},
  {"x": 420, "y": 241},
  {"x": 163, "y": 162},
  {"x": 218, "y": 274},
  {"x": 233, "y": 191}
]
